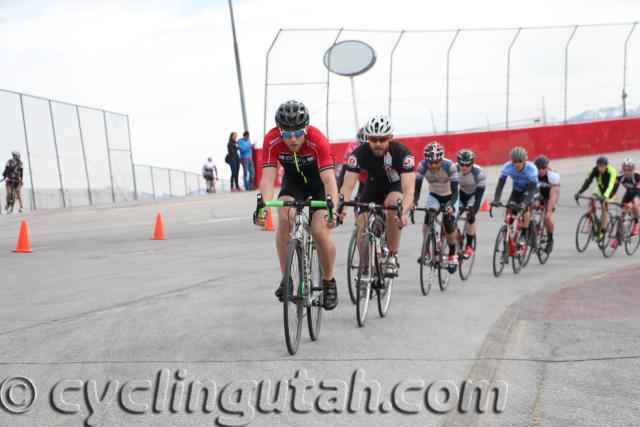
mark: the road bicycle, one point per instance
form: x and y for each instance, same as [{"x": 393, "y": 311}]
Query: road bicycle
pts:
[
  {"x": 432, "y": 256},
  {"x": 621, "y": 225},
  {"x": 304, "y": 295},
  {"x": 540, "y": 234},
  {"x": 373, "y": 255},
  {"x": 506, "y": 245},
  {"x": 589, "y": 225}
]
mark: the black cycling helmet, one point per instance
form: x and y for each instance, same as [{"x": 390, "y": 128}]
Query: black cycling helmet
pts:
[
  {"x": 466, "y": 157},
  {"x": 292, "y": 115},
  {"x": 361, "y": 136},
  {"x": 602, "y": 160},
  {"x": 542, "y": 161},
  {"x": 518, "y": 154}
]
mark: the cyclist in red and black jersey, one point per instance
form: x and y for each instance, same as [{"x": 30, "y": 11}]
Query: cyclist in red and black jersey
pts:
[
  {"x": 630, "y": 180},
  {"x": 304, "y": 153},
  {"x": 390, "y": 168}
]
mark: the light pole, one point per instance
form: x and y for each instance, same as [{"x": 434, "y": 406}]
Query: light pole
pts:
[{"x": 239, "y": 71}]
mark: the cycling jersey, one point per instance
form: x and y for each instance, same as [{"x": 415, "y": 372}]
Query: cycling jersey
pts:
[
  {"x": 474, "y": 179},
  {"x": 521, "y": 179},
  {"x": 632, "y": 185},
  {"x": 13, "y": 171},
  {"x": 605, "y": 181},
  {"x": 551, "y": 179},
  {"x": 302, "y": 168},
  {"x": 207, "y": 169},
  {"x": 362, "y": 177},
  {"x": 439, "y": 180},
  {"x": 382, "y": 171}
]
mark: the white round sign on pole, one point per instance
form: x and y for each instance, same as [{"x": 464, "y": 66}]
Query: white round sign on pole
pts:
[{"x": 350, "y": 58}]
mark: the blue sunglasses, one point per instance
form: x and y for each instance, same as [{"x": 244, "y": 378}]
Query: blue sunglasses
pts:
[{"x": 288, "y": 135}]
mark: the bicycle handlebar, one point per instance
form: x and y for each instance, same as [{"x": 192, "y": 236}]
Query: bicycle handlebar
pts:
[
  {"x": 319, "y": 204},
  {"x": 370, "y": 206}
]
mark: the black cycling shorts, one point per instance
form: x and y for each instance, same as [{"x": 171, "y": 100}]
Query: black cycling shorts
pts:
[
  {"x": 377, "y": 196},
  {"x": 630, "y": 196},
  {"x": 303, "y": 193},
  {"x": 518, "y": 197}
]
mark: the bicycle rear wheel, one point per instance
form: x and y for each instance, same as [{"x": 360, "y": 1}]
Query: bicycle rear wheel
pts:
[
  {"x": 353, "y": 261},
  {"x": 314, "y": 311},
  {"x": 611, "y": 233},
  {"x": 427, "y": 264},
  {"x": 292, "y": 300},
  {"x": 541, "y": 250},
  {"x": 631, "y": 243},
  {"x": 384, "y": 295},
  {"x": 465, "y": 265},
  {"x": 584, "y": 231},
  {"x": 500, "y": 252},
  {"x": 366, "y": 274}
]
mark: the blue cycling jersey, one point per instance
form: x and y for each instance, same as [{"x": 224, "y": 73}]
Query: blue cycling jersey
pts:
[{"x": 520, "y": 179}]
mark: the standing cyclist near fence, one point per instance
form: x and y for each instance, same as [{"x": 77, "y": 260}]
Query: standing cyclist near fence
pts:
[
  {"x": 442, "y": 175},
  {"x": 524, "y": 175},
  {"x": 390, "y": 168},
  {"x": 605, "y": 176},
  {"x": 304, "y": 153},
  {"x": 473, "y": 182},
  {"x": 629, "y": 179},
  {"x": 548, "y": 192},
  {"x": 13, "y": 172}
]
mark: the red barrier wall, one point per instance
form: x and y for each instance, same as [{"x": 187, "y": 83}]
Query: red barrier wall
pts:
[{"x": 557, "y": 141}]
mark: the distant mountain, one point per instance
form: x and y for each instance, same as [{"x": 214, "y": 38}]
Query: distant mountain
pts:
[{"x": 605, "y": 113}]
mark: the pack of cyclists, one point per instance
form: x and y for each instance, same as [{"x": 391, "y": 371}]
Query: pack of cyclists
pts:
[{"x": 386, "y": 172}]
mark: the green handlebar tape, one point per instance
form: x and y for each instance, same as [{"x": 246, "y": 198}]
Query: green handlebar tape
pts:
[
  {"x": 318, "y": 204},
  {"x": 274, "y": 204}
]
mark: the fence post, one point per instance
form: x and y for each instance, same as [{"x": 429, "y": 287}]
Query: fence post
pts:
[
  {"x": 448, "y": 57},
  {"x": 393, "y": 51},
  {"x": 170, "y": 187},
  {"x": 84, "y": 156},
  {"x": 55, "y": 146},
  {"x": 624, "y": 72},
  {"x": 106, "y": 134},
  {"x": 153, "y": 184},
  {"x": 509, "y": 74},
  {"x": 566, "y": 69},
  {"x": 26, "y": 143},
  {"x": 186, "y": 190},
  {"x": 133, "y": 169},
  {"x": 266, "y": 83},
  {"x": 328, "y": 76}
]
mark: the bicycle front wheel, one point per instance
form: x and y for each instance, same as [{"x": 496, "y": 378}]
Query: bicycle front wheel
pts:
[
  {"x": 314, "y": 310},
  {"x": 443, "y": 270},
  {"x": 631, "y": 243},
  {"x": 584, "y": 231},
  {"x": 465, "y": 264},
  {"x": 292, "y": 300},
  {"x": 532, "y": 242},
  {"x": 610, "y": 233},
  {"x": 427, "y": 264},
  {"x": 541, "y": 250},
  {"x": 366, "y": 274},
  {"x": 500, "y": 252},
  {"x": 353, "y": 261}
]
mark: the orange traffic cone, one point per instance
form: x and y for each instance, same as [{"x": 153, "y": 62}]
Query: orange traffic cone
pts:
[
  {"x": 23, "y": 239},
  {"x": 269, "y": 225},
  {"x": 485, "y": 206},
  {"x": 159, "y": 232}
]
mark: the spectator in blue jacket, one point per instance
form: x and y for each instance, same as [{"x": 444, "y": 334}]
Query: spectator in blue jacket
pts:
[{"x": 246, "y": 147}]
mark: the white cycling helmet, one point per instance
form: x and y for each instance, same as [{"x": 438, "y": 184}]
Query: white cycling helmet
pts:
[
  {"x": 628, "y": 162},
  {"x": 378, "y": 125}
]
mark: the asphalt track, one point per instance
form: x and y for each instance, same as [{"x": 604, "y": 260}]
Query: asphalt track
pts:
[{"x": 98, "y": 300}]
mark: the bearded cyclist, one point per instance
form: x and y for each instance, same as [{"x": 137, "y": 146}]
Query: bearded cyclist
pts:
[
  {"x": 524, "y": 175},
  {"x": 305, "y": 155},
  {"x": 390, "y": 169},
  {"x": 472, "y": 185},
  {"x": 12, "y": 174},
  {"x": 548, "y": 191},
  {"x": 629, "y": 179},
  {"x": 442, "y": 175},
  {"x": 605, "y": 176}
]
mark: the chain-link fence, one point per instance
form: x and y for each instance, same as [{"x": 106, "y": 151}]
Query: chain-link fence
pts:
[
  {"x": 158, "y": 182},
  {"x": 72, "y": 155},
  {"x": 442, "y": 81}
]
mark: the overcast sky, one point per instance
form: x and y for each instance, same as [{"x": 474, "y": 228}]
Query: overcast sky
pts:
[{"x": 170, "y": 64}]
